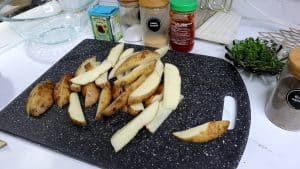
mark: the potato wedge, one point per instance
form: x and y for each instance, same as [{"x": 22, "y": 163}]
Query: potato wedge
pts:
[
  {"x": 115, "y": 53},
  {"x": 104, "y": 101},
  {"x": 91, "y": 75},
  {"x": 83, "y": 66},
  {"x": 136, "y": 60},
  {"x": 126, "y": 54},
  {"x": 102, "y": 81},
  {"x": 203, "y": 133},
  {"x": 133, "y": 110},
  {"x": 153, "y": 98},
  {"x": 62, "y": 90},
  {"x": 144, "y": 69},
  {"x": 172, "y": 87},
  {"x": 91, "y": 94},
  {"x": 116, "y": 105},
  {"x": 150, "y": 85},
  {"x": 40, "y": 98},
  {"x": 162, "y": 51},
  {"x": 116, "y": 91},
  {"x": 122, "y": 99},
  {"x": 75, "y": 111},
  {"x": 124, "y": 135},
  {"x": 75, "y": 87}
]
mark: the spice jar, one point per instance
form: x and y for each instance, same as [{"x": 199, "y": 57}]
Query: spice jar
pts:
[
  {"x": 182, "y": 24},
  {"x": 283, "y": 107},
  {"x": 155, "y": 22},
  {"x": 130, "y": 20}
]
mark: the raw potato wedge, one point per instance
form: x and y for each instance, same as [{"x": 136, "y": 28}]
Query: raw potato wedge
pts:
[
  {"x": 124, "y": 135},
  {"x": 134, "y": 109},
  {"x": 161, "y": 116},
  {"x": 104, "y": 101},
  {"x": 162, "y": 51},
  {"x": 82, "y": 68},
  {"x": 126, "y": 54},
  {"x": 40, "y": 98},
  {"x": 91, "y": 75},
  {"x": 102, "y": 81},
  {"x": 75, "y": 111},
  {"x": 203, "y": 133},
  {"x": 136, "y": 60},
  {"x": 91, "y": 94},
  {"x": 144, "y": 69},
  {"x": 172, "y": 87},
  {"x": 153, "y": 98},
  {"x": 121, "y": 100},
  {"x": 115, "y": 53},
  {"x": 62, "y": 90},
  {"x": 149, "y": 86}
]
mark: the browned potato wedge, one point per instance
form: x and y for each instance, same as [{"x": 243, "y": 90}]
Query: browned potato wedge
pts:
[
  {"x": 104, "y": 101},
  {"x": 62, "y": 90},
  {"x": 203, "y": 133},
  {"x": 75, "y": 111},
  {"x": 91, "y": 93},
  {"x": 121, "y": 100},
  {"x": 144, "y": 69},
  {"x": 136, "y": 60},
  {"x": 75, "y": 88},
  {"x": 116, "y": 91},
  {"x": 40, "y": 98}
]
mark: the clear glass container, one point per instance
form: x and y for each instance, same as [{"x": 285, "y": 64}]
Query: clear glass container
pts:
[
  {"x": 48, "y": 22},
  {"x": 155, "y": 26},
  {"x": 130, "y": 20},
  {"x": 283, "y": 107}
]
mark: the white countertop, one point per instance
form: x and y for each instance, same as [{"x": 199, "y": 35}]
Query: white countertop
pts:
[{"x": 269, "y": 147}]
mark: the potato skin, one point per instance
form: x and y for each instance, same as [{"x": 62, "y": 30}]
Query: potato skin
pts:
[
  {"x": 104, "y": 101},
  {"x": 62, "y": 90},
  {"x": 40, "y": 98},
  {"x": 91, "y": 93}
]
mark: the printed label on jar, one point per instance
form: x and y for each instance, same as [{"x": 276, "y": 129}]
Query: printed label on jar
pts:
[
  {"x": 154, "y": 24},
  {"x": 181, "y": 33},
  {"x": 293, "y": 98}
]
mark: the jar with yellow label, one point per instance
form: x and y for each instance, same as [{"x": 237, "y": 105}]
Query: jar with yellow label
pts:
[{"x": 155, "y": 22}]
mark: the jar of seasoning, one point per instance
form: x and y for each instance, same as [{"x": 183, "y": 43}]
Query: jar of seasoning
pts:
[
  {"x": 182, "y": 24},
  {"x": 155, "y": 22},
  {"x": 283, "y": 107},
  {"x": 130, "y": 20}
]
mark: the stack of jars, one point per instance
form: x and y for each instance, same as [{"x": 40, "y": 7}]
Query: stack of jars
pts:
[{"x": 163, "y": 22}]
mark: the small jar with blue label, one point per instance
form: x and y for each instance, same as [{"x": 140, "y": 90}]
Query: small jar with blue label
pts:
[
  {"x": 106, "y": 23},
  {"x": 283, "y": 107},
  {"x": 155, "y": 22}
]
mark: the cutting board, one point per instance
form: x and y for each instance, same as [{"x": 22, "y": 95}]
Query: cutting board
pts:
[{"x": 205, "y": 82}]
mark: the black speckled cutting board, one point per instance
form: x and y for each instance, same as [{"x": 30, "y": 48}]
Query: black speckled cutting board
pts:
[{"x": 205, "y": 82}]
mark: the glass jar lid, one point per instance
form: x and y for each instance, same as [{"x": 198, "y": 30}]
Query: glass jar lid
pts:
[{"x": 184, "y": 5}]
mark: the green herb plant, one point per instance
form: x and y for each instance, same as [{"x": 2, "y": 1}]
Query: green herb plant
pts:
[{"x": 256, "y": 56}]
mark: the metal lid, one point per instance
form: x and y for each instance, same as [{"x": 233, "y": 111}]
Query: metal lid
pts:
[
  {"x": 153, "y": 3},
  {"x": 294, "y": 62}
]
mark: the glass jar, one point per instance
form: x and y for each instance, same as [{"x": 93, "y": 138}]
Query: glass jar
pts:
[
  {"x": 130, "y": 20},
  {"x": 283, "y": 107},
  {"x": 155, "y": 22},
  {"x": 182, "y": 24}
]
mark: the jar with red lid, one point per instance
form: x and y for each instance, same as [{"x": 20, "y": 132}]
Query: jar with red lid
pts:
[{"x": 182, "y": 24}]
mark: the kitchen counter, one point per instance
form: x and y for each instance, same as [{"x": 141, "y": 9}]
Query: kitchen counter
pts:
[{"x": 269, "y": 147}]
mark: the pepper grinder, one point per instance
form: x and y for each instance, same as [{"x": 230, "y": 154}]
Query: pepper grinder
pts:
[{"x": 283, "y": 107}]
